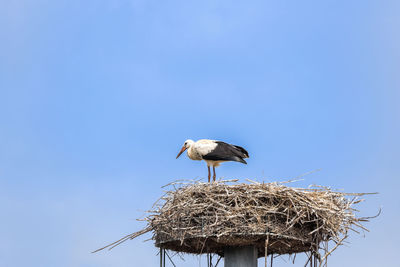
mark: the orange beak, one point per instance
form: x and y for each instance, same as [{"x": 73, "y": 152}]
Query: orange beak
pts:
[{"x": 180, "y": 152}]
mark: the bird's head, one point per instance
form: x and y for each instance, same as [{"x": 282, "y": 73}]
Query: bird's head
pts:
[{"x": 185, "y": 146}]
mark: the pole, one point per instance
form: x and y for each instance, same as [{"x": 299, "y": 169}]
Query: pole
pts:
[
  {"x": 266, "y": 251},
  {"x": 161, "y": 257},
  {"x": 240, "y": 256}
]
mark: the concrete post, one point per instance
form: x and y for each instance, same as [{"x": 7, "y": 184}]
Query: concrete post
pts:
[{"x": 240, "y": 256}]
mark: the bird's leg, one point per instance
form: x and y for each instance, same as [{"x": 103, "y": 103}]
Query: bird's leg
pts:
[
  {"x": 209, "y": 173},
  {"x": 214, "y": 173}
]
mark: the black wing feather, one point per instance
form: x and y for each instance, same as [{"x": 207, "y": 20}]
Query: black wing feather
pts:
[
  {"x": 244, "y": 151},
  {"x": 227, "y": 152}
]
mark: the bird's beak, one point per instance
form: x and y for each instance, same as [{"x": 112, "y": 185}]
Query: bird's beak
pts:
[{"x": 180, "y": 152}]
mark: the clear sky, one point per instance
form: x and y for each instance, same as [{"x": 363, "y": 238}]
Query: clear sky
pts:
[{"x": 97, "y": 97}]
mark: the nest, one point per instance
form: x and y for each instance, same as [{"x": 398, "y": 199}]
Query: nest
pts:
[{"x": 206, "y": 218}]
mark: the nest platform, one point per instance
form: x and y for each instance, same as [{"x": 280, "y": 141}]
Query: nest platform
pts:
[{"x": 208, "y": 217}]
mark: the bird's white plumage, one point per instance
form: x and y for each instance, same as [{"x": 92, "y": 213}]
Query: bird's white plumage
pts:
[
  {"x": 196, "y": 150},
  {"x": 213, "y": 163},
  {"x": 204, "y": 146}
]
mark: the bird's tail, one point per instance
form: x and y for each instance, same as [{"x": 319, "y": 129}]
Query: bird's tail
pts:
[{"x": 240, "y": 160}]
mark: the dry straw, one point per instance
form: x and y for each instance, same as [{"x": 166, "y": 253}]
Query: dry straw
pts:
[{"x": 196, "y": 217}]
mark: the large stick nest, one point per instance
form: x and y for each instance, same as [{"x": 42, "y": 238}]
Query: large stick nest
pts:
[{"x": 207, "y": 217}]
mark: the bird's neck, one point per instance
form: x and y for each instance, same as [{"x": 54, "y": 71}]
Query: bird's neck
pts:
[{"x": 193, "y": 154}]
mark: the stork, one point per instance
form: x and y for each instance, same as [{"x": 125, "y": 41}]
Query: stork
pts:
[{"x": 213, "y": 152}]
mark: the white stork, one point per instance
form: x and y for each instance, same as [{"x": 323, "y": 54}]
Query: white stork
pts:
[{"x": 213, "y": 153}]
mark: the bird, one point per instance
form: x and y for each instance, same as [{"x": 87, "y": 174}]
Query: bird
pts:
[{"x": 213, "y": 152}]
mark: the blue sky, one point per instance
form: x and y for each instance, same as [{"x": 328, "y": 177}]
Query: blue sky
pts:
[{"x": 96, "y": 99}]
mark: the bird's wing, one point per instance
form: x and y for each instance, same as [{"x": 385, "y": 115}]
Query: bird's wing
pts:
[
  {"x": 244, "y": 151},
  {"x": 226, "y": 152}
]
